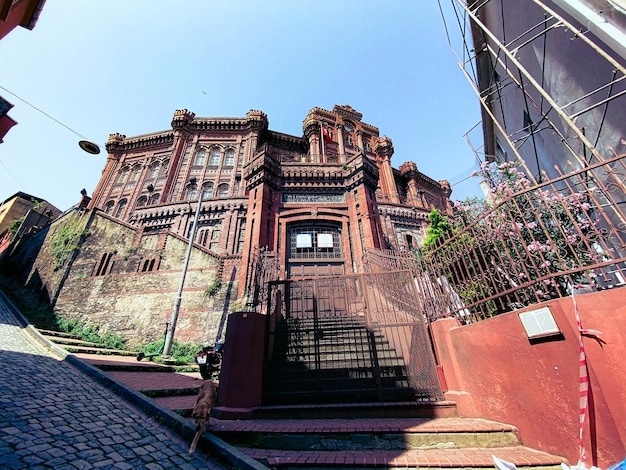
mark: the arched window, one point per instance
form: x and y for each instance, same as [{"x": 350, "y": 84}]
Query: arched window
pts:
[
  {"x": 229, "y": 158},
  {"x": 153, "y": 172},
  {"x": 108, "y": 207},
  {"x": 142, "y": 201},
  {"x": 216, "y": 154},
  {"x": 134, "y": 175},
  {"x": 154, "y": 198},
  {"x": 200, "y": 157},
  {"x": 120, "y": 208},
  {"x": 123, "y": 174},
  {"x": 222, "y": 190},
  {"x": 208, "y": 190},
  {"x": 164, "y": 165},
  {"x": 191, "y": 192}
]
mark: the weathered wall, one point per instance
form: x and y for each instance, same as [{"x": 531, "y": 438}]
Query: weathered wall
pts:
[
  {"x": 493, "y": 371},
  {"x": 123, "y": 299}
]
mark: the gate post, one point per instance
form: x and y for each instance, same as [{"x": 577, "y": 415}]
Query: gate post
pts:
[{"x": 241, "y": 377}]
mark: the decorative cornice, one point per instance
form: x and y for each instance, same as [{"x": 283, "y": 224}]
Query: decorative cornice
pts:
[
  {"x": 408, "y": 170},
  {"x": 315, "y": 115},
  {"x": 254, "y": 120},
  {"x": 402, "y": 211},
  {"x": 182, "y": 118},
  {"x": 348, "y": 112},
  {"x": 384, "y": 147},
  {"x": 119, "y": 143},
  {"x": 287, "y": 142}
]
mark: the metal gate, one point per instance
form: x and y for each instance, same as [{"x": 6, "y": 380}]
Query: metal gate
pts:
[{"x": 352, "y": 338}]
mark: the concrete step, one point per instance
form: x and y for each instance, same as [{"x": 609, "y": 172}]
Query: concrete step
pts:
[
  {"x": 57, "y": 334},
  {"x": 183, "y": 405},
  {"x": 97, "y": 350},
  {"x": 128, "y": 363},
  {"x": 160, "y": 383},
  {"x": 68, "y": 341},
  {"x": 348, "y": 411},
  {"x": 452, "y": 443},
  {"x": 449, "y": 459}
]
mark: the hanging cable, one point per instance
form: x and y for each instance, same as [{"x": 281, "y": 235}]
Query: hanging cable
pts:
[
  {"x": 85, "y": 144},
  {"x": 13, "y": 176}
]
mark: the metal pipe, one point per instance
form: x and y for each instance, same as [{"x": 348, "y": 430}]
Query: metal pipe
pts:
[{"x": 169, "y": 339}]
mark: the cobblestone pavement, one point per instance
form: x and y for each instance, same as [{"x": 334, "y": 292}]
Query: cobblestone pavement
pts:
[{"x": 54, "y": 416}]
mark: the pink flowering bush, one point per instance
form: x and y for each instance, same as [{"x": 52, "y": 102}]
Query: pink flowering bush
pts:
[{"x": 531, "y": 242}]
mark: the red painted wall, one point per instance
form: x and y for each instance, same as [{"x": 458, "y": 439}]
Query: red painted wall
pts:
[
  {"x": 242, "y": 366},
  {"x": 494, "y": 372}
]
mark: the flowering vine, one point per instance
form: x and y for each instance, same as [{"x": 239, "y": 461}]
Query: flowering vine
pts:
[{"x": 531, "y": 240}]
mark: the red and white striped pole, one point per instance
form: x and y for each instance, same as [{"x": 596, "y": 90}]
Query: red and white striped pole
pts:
[{"x": 583, "y": 378}]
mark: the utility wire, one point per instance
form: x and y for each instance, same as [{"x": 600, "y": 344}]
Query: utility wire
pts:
[
  {"x": 12, "y": 176},
  {"x": 44, "y": 113}
]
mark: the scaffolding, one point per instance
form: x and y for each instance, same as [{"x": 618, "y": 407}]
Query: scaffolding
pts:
[{"x": 550, "y": 84}]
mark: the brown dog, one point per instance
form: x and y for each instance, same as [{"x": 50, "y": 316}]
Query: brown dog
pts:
[{"x": 202, "y": 410}]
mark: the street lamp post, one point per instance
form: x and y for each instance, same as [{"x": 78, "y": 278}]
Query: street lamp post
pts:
[{"x": 169, "y": 338}]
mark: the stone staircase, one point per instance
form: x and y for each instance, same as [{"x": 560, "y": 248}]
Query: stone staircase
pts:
[
  {"x": 328, "y": 435},
  {"x": 450, "y": 443},
  {"x": 171, "y": 386},
  {"x": 336, "y": 360}
]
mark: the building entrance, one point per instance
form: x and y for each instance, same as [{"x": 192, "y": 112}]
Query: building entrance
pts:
[
  {"x": 315, "y": 250},
  {"x": 348, "y": 339}
]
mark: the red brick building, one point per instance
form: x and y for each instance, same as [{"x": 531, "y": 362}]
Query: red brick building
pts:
[
  {"x": 24, "y": 13},
  {"x": 15, "y": 13},
  {"x": 318, "y": 201}
]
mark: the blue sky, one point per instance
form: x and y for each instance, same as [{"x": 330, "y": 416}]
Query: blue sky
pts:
[{"x": 126, "y": 66}]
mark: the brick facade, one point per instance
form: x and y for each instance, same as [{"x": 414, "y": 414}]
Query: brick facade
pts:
[{"x": 317, "y": 202}]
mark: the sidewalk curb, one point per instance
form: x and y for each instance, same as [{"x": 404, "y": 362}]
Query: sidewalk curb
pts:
[{"x": 165, "y": 417}]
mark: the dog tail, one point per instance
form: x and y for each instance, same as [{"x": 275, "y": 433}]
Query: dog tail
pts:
[{"x": 196, "y": 438}]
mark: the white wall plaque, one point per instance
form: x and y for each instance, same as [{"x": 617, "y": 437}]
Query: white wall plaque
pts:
[
  {"x": 324, "y": 240},
  {"x": 304, "y": 240},
  {"x": 539, "y": 322}
]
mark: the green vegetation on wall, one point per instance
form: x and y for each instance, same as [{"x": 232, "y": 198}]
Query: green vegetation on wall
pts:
[{"x": 66, "y": 240}]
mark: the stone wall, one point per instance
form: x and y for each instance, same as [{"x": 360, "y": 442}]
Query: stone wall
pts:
[{"x": 107, "y": 279}]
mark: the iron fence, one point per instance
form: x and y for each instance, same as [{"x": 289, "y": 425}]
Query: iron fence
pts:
[
  {"x": 348, "y": 338},
  {"x": 536, "y": 244},
  {"x": 262, "y": 268}
]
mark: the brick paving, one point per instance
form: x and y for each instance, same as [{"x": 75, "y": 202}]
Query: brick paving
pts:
[{"x": 54, "y": 416}]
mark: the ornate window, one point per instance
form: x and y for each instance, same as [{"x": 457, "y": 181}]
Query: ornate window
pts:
[
  {"x": 215, "y": 237},
  {"x": 315, "y": 241},
  {"x": 200, "y": 157},
  {"x": 216, "y": 154},
  {"x": 153, "y": 171},
  {"x": 142, "y": 201},
  {"x": 108, "y": 207},
  {"x": 208, "y": 190},
  {"x": 123, "y": 174},
  {"x": 229, "y": 159},
  {"x": 154, "y": 198},
  {"x": 222, "y": 190},
  {"x": 191, "y": 192},
  {"x": 120, "y": 208},
  {"x": 134, "y": 175}
]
